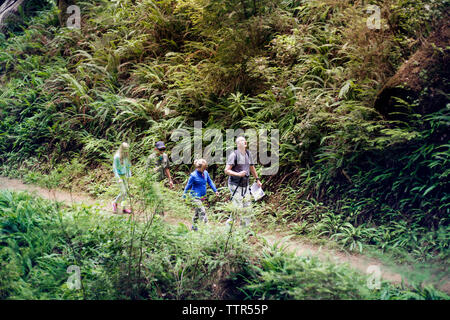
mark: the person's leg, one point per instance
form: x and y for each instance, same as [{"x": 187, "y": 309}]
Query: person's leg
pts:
[
  {"x": 195, "y": 218},
  {"x": 246, "y": 208},
  {"x": 120, "y": 196},
  {"x": 238, "y": 201},
  {"x": 199, "y": 213},
  {"x": 157, "y": 197},
  {"x": 202, "y": 214},
  {"x": 124, "y": 188},
  {"x": 232, "y": 188},
  {"x": 116, "y": 202}
]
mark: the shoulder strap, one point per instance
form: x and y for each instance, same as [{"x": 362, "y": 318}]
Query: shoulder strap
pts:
[
  {"x": 237, "y": 187},
  {"x": 236, "y": 153}
]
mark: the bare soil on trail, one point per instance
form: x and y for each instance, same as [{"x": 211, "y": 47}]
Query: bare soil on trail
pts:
[
  {"x": 56, "y": 195},
  {"x": 301, "y": 248}
]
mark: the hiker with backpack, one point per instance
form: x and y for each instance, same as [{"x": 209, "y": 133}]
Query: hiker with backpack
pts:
[
  {"x": 122, "y": 171},
  {"x": 196, "y": 187},
  {"x": 159, "y": 162},
  {"x": 157, "y": 170},
  {"x": 239, "y": 165}
]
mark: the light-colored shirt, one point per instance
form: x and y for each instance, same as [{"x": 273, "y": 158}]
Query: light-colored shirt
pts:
[{"x": 121, "y": 169}]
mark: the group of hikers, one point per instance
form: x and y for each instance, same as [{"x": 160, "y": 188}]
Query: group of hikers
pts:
[{"x": 239, "y": 166}]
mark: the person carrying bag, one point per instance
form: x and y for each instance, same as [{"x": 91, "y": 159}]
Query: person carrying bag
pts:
[{"x": 239, "y": 166}]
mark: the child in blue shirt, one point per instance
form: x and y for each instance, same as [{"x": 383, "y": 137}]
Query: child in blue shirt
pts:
[{"x": 196, "y": 187}]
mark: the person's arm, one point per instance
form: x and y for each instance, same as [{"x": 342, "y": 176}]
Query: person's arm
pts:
[
  {"x": 116, "y": 164},
  {"x": 230, "y": 172},
  {"x": 166, "y": 165},
  {"x": 255, "y": 175},
  {"x": 188, "y": 186},
  {"x": 166, "y": 170},
  {"x": 229, "y": 165},
  {"x": 211, "y": 183}
]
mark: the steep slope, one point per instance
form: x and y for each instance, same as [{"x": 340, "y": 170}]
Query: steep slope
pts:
[{"x": 138, "y": 70}]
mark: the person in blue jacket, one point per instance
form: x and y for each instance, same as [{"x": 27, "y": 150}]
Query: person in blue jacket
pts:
[{"x": 196, "y": 187}]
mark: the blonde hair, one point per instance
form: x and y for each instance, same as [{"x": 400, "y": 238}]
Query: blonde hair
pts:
[
  {"x": 199, "y": 163},
  {"x": 124, "y": 147}
]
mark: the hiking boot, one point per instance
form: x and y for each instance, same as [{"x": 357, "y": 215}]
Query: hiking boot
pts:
[
  {"x": 126, "y": 211},
  {"x": 114, "y": 205}
]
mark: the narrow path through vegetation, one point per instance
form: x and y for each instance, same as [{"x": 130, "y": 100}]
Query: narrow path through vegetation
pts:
[{"x": 356, "y": 261}]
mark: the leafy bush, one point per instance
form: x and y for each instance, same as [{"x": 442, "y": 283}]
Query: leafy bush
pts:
[
  {"x": 287, "y": 277},
  {"x": 118, "y": 258},
  {"x": 139, "y": 70}
]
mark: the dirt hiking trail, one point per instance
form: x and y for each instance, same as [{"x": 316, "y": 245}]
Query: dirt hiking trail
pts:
[{"x": 356, "y": 261}]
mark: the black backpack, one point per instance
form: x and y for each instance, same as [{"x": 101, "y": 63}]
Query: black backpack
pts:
[{"x": 243, "y": 181}]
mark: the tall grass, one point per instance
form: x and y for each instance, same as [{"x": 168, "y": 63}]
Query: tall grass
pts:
[
  {"x": 118, "y": 258},
  {"x": 122, "y": 259},
  {"x": 140, "y": 69}
]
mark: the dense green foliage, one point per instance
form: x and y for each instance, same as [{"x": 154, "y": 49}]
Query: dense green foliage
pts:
[
  {"x": 283, "y": 276},
  {"x": 122, "y": 259},
  {"x": 137, "y": 70},
  {"x": 118, "y": 258}
]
